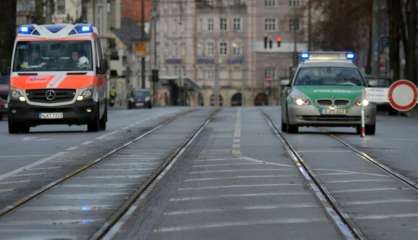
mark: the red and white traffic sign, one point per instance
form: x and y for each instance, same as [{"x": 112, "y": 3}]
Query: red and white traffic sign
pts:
[{"x": 403, "y": 95}]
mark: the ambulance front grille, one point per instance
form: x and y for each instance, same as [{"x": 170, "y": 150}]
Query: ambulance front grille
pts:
[{"x": 51, "y": 95}]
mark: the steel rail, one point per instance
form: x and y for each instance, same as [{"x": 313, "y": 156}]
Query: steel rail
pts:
[
  {"x": 340, "y": 218},
  {"x": 38, "y": 192},
  {"x": 135, "y": 201},
  {"x": 366, "y": 157}
]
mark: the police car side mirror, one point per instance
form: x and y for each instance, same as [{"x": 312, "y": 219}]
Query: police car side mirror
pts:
[
  {"x": 372, "y": 83},
  {"x": 285, "y": 82}
]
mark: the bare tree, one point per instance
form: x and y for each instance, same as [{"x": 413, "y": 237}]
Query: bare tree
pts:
[{"x": 7, "y": 33}]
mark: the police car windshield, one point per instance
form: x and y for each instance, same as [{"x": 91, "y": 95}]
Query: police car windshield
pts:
[
  {"x": 34, "y": 56},
  {"x": 328, "y": 76}
]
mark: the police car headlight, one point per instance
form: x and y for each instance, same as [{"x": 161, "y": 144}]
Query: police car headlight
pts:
[
  {"x": 300, "y": 99},
  {"x": 362, "y": 102},
  {"x": 85, "y": 94}
]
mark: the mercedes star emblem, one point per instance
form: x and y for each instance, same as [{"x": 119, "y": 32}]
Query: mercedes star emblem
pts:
[{"x": 50, "y": 95}]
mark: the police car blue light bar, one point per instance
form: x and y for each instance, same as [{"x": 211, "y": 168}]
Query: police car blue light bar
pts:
[
  {"x": 85, "y": 28},
  {"x": 350, "y": 56},
  {"x": 25, "y": 29},
  {"x": 305, "y": 56}
]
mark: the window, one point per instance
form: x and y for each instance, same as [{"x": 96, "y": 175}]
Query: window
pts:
[
  {"x": 236, "y": 49},
  {"x": 295, "y": 3},
  {"x": 270, "y": 3},
  {"x": 210, "y": 24},
  {"x": 269, "y": 74},
  {"x": 223, "y": 24},
  {"x": 270, "y": 24},
  {"x": 60, "y": 6},
  {"x": 294, "y": 25},
  {"x": 223, "y": 48},
  {"x": 200, "y": 49},
  {"x": 210, "y": 49},
  {"x": 236, "y": 24}
]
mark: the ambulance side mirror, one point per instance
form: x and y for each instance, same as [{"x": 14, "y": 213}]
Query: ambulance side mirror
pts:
[{"x": 103, "y": 67}]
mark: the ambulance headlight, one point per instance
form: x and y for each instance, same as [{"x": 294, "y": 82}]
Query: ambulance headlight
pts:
[
  {"x": 147, "y": 99},
  {"x": 16, "y": 94},
  {"x": 85, "y": 94}
]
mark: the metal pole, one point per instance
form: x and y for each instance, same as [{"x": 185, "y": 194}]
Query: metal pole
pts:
[
  {"x": 143, "y": 42},
  {"x": 375, "y": 38},
  {"x": 309, "y": 25},
  {"x": 295, "y": 47},
  {"x": 154, "y": 33},
  {"x": 93, "y": 7}
]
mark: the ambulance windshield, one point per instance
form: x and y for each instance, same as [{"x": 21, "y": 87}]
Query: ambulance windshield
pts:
[{"x": 34, "y": 56}]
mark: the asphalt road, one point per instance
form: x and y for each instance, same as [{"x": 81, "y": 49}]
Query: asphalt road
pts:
[{"x": 235, "y": 181}]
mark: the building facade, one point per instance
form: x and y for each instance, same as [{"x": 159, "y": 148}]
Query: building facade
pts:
[{"x": 235, "y": 49}]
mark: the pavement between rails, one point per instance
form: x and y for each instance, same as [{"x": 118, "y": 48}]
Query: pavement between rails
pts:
[
  {"x": 233, "y": 183},
  {"x": 77, "y": 207}
]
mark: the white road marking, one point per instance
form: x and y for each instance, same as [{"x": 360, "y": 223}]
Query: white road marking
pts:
[
  {"x": 15, "y": 182},
  {"x": 239, "y": 170},
  {"x": 85, "y": 196},
  {"x": 359, "y": 181},
  {"x": 225, "y": 165},
  {"x": 6, "y": 190},
  {"x": 104, "y": 136},
  {"x": 323, "y": 151},
  {"x": 236, "y": 177},
  {"x": 51, "y": 222},
  {"x": 29, "y": 166},
  {"x": 267, "y": 162},
  {"x": 244, "y": 195},
  {"x": 238, "y": 224},
  {"x": 237, "y": 186},
  {"x": 30, "y": 174},
  {"x": 236, "y": 142},
  {"x": 350, "y": 173},
  {"x": 373, "y": 202},
  {"x": 218, "y": 160},
  {"x": 87, "y": 142},
  {"x": 249, "y": 208},
  {"x": 23, "y": 156},
  {"x": 72, "y": 148},
  {"x": 367, "y": 190},
  {"x": 386, "y": 216},
  {"x": 86, "y": 208},
  {"x": 46, "y": 168},
  {"x": 113, "y": 176}
]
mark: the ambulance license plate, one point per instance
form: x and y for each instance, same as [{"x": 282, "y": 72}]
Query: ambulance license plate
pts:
[
  {"x": 56, "y": 115},
  {"x": 334, "y": 111}
]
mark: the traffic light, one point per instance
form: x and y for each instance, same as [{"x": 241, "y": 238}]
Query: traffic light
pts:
[
  {"x": 279, "y": 41},
  {"x": 155, "y": 75}
]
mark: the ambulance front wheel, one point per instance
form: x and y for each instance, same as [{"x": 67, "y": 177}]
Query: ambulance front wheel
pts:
[{"x": 15, "y": 128}]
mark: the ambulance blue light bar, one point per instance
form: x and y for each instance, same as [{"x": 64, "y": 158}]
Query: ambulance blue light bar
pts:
[
  {"x": 84, "y": 28},
  {"x": 25, "y": 29}
]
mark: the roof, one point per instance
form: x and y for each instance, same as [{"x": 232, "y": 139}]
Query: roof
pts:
[{"x": 129, "y": 32}]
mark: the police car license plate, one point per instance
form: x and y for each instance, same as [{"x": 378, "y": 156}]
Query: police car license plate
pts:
[
  {"x": 139, "y": 104},
  {"x": 57, "y": 115},
  {"x": 334, "y": 111}
]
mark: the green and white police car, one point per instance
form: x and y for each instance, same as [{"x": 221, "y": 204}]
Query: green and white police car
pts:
[{"x": 327, "y": 89}]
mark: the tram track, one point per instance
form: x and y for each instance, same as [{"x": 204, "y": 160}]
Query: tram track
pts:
[
  {"x": 148, "y": 181},
  {"x": 336, "y": 213},
  {"x": 366, "y": 157}
]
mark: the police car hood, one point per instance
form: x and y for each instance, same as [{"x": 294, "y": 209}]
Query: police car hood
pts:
[
  {"x": 331, "y": 92},
  {"x": 54, "y": 80}
]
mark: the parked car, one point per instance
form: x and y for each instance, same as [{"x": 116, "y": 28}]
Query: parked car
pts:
[
  {"x": 140, "y": 98},
  {"x": 382, "y": 82},
  {"x": 4, "y": 92}
]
